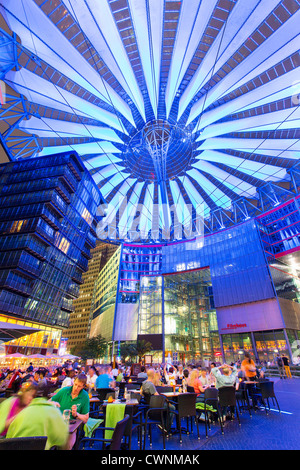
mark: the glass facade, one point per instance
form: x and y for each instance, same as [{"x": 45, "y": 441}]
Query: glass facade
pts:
[
  {"x": 189, "y": 315},
  {"x": 238, "y": 267},
  {"x": 47, "y": 228},
  {"x": 104, "y": 298},
  {"x": 150, "y": 312},
  {"x": 137, "y": 260},
  {"x": 80, "y": 320},
  {"x": 280, "y": 228},
  {"x": 240, "y": 299}
]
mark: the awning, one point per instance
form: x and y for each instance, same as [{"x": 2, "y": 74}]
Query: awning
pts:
[
  {"x": 10, "y": 331},
  {"x": 15, "y": 355},
  {"x": 37, "y": 356}
]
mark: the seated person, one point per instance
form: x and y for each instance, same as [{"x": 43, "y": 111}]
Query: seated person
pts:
[
  {"x": 227, "y": 378},
  {"x": 91, "y": 377},
  {"x": 143, "y": 373},
  {"x": 148, "y": 389},
  {"x": 120, "y": 376},
  {"x": 13, "y": 405},
  {"x": 104, "y": 379},
  {"x": 76, "y": 399},
  {"x": 170, "y": 376},
  {"x": 69, "y": 380},
  {"x": 204, "y": 377},
  {"x": 40, "y": 418},
  {"x": 179, "y": 375},
  {"x": 195, "y": 382}
]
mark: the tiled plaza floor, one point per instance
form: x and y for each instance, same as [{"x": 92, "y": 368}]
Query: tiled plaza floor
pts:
[{"x": 275, "y": 431}]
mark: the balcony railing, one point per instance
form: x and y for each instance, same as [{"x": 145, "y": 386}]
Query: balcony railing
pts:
[
  {"x": 15, "y": 286},
  {"x": 67, "y": 305}
]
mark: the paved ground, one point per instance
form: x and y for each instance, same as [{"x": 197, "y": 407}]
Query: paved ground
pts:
[{"x": 275, "y": 431}]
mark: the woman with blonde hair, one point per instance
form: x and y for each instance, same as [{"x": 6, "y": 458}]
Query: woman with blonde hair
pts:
[
  {"x": 157, "y": 379},
  {"x": 195, "y": 382},
  {"x": 12, "y": 406}
]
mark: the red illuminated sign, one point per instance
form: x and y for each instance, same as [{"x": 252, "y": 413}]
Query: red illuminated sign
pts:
[{"x": 231, "y": 326}]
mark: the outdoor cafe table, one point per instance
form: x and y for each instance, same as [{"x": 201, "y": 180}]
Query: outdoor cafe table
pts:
[
  {"x": 74, "y": 425},
  {"x": 171, "y": 394},
  {"x": 130, "y": 402}
]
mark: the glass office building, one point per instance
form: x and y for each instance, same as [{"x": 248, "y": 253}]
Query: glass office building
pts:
[
  {"x": 104, "y": 298},
  {"x": 47, "y": 229},
  {"x": 217, "y": 296},
  {"x": 79, "y": 327}
]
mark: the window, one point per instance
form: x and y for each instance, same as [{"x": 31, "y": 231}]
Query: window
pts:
[
  {"x": 17, "y": 226},
  {"x": 62, "y": 243},
  {"x": 87, "y": 216}
]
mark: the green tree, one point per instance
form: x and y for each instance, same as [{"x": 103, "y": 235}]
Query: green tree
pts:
[
  {"x": 127, "y": 352},
  {"x": 93, "y": 348},
  {"x": 141, "y": 348}
]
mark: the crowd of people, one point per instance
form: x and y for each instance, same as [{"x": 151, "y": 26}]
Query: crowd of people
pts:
[
  {"x": 28, "y": 407},
  {"x": 33, "y": 401}
]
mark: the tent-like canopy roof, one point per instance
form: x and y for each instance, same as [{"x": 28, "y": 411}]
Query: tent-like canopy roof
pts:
[
  {"x": 179, "y": 109},
  {"x": 10, "y": 331}
]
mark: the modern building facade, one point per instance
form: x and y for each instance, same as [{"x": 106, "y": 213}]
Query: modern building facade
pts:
[
  {"x": 105, "y": 295},
  {"x": 217, "y": 296},
  {"x": 80, "y": 320},
  {"x": 47, "y": 229}
]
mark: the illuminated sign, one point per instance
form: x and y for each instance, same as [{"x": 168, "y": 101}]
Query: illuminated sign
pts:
[{"x": 231, "y": 326}]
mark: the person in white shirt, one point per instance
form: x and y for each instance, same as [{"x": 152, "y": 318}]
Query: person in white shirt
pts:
[
  {"x": 91, "y": 377},
  {"x": 170, "y": 376},
  {"x": 205, "y": 379},
  {"x": 69, "y": 380},
  {"x": 115, "y": 371}
]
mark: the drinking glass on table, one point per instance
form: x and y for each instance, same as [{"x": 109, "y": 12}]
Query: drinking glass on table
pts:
[
  {"x": 66, "y": 416},
  {"x": 116, "y": 393}
]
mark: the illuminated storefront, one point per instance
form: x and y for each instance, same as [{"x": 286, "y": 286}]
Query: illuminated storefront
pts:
[{"x": 47, "y": 340}]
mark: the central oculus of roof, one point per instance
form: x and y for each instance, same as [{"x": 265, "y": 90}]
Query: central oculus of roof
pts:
[{"x": 159, "y": 152}]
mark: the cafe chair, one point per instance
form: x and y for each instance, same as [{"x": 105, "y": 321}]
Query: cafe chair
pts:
[
  {"x": 242, "y": 397},
  {"x": 103, "y": 393},
  {"x": 24, "y": 443},
  {"x": 211, "y": 399},
  {"x": 155, "y": 415},
  {"x": 186, "y": 408},
  {"x": 265, "y": 391},
  {"x": 134, "y": 424},
  {"x": 140, "y": 380},
  {"x": 88, "y": 443},
  {"x": 227, "y": 398},
  {"x": 133, "y": 386},
  {"x": 146, "y": 397},
  {"x": 190, "y": 389},
  {"x": 164, "y": 389}
]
